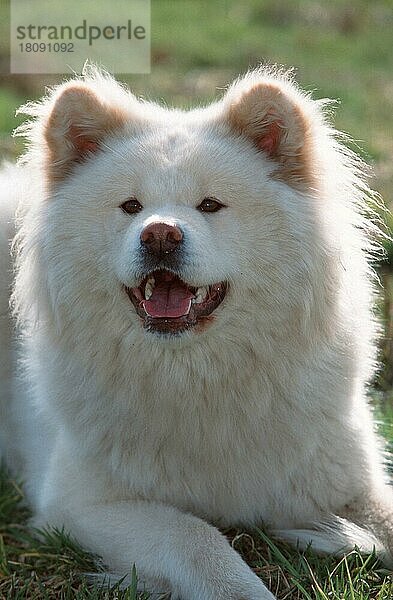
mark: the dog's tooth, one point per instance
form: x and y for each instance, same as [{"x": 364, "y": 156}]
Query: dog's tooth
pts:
[
  {"x": 200, "y": 295},
  {"x": 149, "y": 287}
]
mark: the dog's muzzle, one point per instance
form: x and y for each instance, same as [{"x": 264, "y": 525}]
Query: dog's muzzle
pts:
[{"x": 163, "y": 300}]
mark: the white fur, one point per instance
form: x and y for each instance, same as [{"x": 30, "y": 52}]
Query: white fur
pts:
[{"x": 135, "y": 442}]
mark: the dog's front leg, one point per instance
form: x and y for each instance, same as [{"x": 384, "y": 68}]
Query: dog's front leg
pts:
[{"x": 168, "y": 547}]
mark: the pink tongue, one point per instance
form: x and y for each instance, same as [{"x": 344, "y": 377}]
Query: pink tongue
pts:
[{"x": 169, "y": 299}]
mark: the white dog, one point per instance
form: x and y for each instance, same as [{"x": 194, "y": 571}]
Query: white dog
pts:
[{"x": 195, "y": 332}]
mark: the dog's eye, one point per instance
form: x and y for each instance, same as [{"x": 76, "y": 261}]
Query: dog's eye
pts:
[
  {"x": 210, "y": 205},
  {"x": 131, "y": 206}
]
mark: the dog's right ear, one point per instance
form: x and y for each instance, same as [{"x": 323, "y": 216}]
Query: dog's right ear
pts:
[{"x": 76, "y": 127}]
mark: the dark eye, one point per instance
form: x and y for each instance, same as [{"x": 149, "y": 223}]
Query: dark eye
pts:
[
  {"x": 131, "y": 206},
  {"x": 210, "y": 205}
]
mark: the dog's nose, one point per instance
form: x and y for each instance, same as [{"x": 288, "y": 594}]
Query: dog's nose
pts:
[{"x": 161, "y": 238}]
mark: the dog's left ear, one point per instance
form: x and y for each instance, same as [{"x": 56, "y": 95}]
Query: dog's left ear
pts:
[
  {"x": 275, "y": 117},
  {"x": 77, "y": 126}
]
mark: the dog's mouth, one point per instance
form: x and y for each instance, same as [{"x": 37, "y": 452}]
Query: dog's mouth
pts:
[{"x": 167, "y": 304}]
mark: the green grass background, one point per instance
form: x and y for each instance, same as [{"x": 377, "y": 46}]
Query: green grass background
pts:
[{"x": 340, "y": 49}]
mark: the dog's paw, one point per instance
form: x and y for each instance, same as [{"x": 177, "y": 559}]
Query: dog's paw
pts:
[
  {"x": 251, "y": 590},
  {"x": 235, "y": 586}
]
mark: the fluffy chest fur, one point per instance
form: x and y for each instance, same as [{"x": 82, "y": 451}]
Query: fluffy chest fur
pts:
[{"x": 171, "y": 428}]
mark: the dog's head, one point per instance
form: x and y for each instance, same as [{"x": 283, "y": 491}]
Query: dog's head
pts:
[{"x": 180, "y": 221}]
